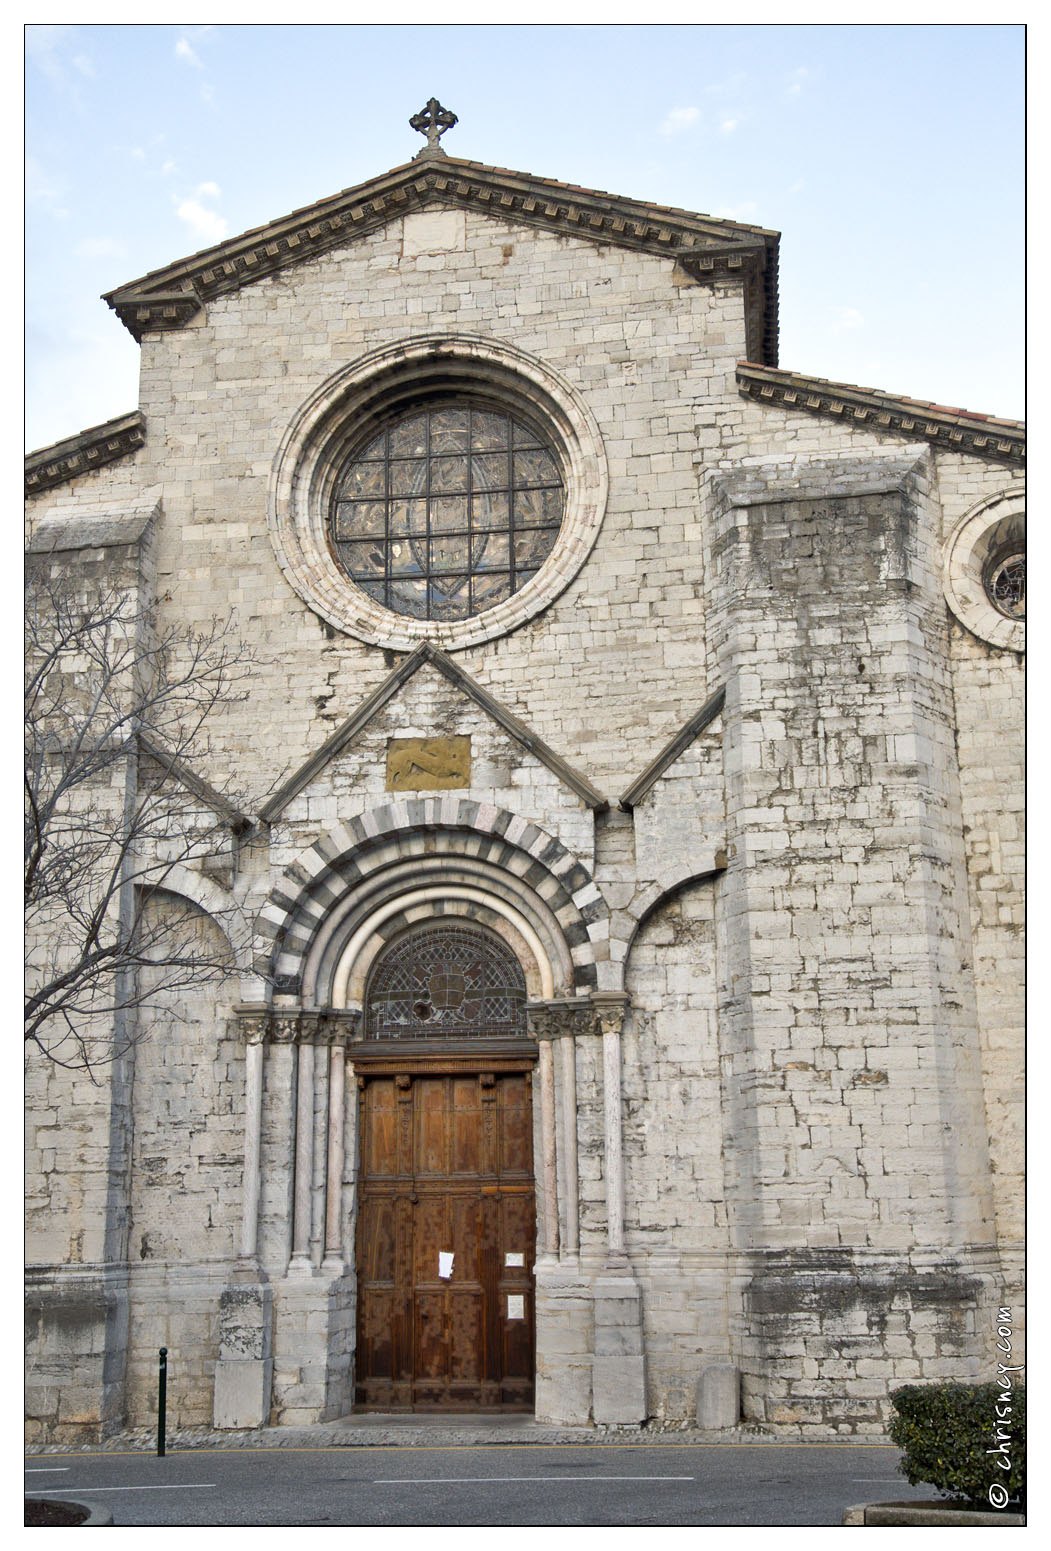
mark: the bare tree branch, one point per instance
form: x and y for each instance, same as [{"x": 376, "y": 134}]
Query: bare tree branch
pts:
[{"x": 116, "y": 718}]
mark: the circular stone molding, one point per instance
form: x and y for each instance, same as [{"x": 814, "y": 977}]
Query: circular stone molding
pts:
[
  {"x": 986, "y": 534},
  {"x": 364, "y": 394}
]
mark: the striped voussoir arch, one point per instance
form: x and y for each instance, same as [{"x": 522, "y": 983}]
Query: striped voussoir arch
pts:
[{"x": 440, "y": 855}]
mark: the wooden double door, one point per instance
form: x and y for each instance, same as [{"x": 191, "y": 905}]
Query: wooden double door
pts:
[{"x": 446, "y": 1241}]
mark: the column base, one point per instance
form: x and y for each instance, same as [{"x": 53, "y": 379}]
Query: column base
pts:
[
  {"x": 618, "y": 1378},
  {"x": 245, "y": 1370}
]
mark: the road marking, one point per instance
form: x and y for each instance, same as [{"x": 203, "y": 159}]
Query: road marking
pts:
[
  {"x": 47, "y": 1470},
  {"x": 473, "y": 1480},
  {"x": 182, "y": 1486},
  {"x": 878, "y": 1480}
]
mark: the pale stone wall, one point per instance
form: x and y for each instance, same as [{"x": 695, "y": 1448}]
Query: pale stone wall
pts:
[{"x": 821, "y": 1066}]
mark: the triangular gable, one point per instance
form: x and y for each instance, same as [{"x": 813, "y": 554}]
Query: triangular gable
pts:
[
  {"x": 196, "y": 785},
  {"x": 671, "y": 750},
  {"x": 956, "y": 430},
  {"x": 706, "y": 248},
  {"x": 359, "y": 719}
]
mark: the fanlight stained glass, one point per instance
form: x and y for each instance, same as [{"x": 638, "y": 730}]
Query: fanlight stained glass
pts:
[
  {"x": 444, "y": 982},
  {"x": 447, "y": 511}
]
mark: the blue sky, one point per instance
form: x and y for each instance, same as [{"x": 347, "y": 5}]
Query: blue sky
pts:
[{"x": 890, "y": 158}]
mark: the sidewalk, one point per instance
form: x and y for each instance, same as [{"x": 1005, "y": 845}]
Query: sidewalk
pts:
[{"x": 414, "y": 1430}]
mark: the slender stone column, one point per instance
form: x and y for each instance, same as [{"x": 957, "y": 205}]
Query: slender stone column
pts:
[
  {"x": 609, "y": 1008},
  {"x": 244, "y": 1370},
  {"x": 547, "y": 1135},
  {"x": 304, "y": 1180},
  {"x": 337, "y": 1066},
  {"x": 253, "y": 1022},
  {"x": 568, "y": 1057}
]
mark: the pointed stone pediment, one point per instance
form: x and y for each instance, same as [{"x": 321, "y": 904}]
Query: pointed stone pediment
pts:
[
  {"x": 359, "y": 721},
  {"x": 672, "y": 749},
  {"x": 706, "y": 248}
]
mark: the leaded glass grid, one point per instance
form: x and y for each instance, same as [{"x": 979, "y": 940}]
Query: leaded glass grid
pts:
[
  {"x": 450, "y": 509},
  {"x": 1005, "y": 584},
  {"x": 441, "y": 982}
]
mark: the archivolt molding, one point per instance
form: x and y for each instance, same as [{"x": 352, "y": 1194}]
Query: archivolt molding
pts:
[
  {"x": 650, "y": 897},
  {"x": 390, "y": 868},
  {"x": 311, "y": 453},
  {"x": 183, "y": 883}
]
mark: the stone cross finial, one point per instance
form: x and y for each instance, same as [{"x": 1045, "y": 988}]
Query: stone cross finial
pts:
[{"x": 432, "y": 121}]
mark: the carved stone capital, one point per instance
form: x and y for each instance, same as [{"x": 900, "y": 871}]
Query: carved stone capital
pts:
[
  {"x": 565, "y": 1018},
  {"x": 284, "y": 1026},
  {"x": 252, "y": 1022},
  {"x": 259, "y": 1024},
  {"x": 609, "y": 1008}
]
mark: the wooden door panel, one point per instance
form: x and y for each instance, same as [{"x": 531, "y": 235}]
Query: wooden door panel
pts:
[
  {"x": 465, "y": 1140},
  {"x": 431, "y": 1126},
  {"x": 446, "y": 1166}
]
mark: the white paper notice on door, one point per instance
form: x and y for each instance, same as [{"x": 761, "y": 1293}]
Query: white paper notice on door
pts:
[
  {"x": 445, "y": 1263},
  {"x": 515, "y": 1306},
  {"x": 513, "y": 1259}
]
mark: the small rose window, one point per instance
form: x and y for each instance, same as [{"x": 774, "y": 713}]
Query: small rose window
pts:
[
  {"x": 450, "y": 509},
  {"x": 1005, "y": 584}
]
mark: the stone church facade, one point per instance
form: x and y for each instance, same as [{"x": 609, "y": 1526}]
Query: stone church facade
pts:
[{"x": 626, "y": 1020}]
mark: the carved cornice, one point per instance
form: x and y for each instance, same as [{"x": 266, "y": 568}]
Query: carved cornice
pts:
[
  {"x": 258, "y": 1024},
  {"x": 706, "y": 248},
  {"x": 90, "y": 449},
  {"x": 957, "y": 430},
  {"x": 155, "y": 312}
]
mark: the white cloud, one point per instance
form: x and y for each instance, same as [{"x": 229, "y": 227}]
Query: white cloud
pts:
[
  {"x": 796, "y": 81},
  {"x": 46, "y": 49},
  {"x": 184, "y": 50},
  {"x": 742, "y": 212},
  {"x": 204, "y": 223},
  {"x": 166, "y": 167},
  {"x": 679, "y": 119},
  {"x": 207, "y": 92},
  {"x": 728, "y": 125},
  {"x": 727, "y": 88},
  {"x": 847, "y": 318}
]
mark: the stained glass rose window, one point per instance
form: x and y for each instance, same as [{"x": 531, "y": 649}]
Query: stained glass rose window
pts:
[{"x": 450, "y": 509}]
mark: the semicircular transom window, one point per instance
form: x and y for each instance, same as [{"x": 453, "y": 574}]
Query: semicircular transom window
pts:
[
  {"x": 449, "y": 510},
  {"x": 446, "y": 982}
]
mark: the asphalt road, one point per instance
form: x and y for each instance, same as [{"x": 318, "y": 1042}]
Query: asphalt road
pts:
[{"x": 538, "y": 1484}]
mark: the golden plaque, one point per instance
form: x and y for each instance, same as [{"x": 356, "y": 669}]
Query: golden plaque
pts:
[{"x": 428, "y": 764}]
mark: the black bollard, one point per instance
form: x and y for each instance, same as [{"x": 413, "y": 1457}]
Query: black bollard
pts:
[{"x": 162, "y": 1399}]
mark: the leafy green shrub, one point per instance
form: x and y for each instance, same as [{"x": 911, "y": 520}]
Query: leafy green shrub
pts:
[{"x": 962, "y": 1438}]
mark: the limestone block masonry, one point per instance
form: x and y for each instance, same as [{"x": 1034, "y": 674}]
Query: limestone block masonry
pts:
[{"x": 735, "y": 778}]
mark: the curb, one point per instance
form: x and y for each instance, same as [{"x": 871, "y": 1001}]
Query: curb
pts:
[
  {"x": 98, "y": 1515},
  {"x": 945, "y": 1515}
]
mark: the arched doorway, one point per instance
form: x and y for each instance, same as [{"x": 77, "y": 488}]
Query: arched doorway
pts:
[{"x": 446, "y": 1223}]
